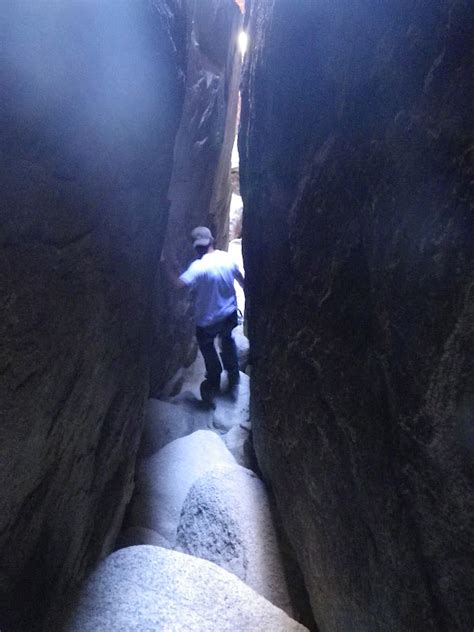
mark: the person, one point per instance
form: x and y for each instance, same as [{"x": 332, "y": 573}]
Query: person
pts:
[{"x": 211, "y": 277}]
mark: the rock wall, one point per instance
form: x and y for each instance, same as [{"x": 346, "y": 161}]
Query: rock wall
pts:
[
  {"x": 200, "y": 190},
  {"x": 356, "y": 169},
  {"x": 92, "y": 95}
]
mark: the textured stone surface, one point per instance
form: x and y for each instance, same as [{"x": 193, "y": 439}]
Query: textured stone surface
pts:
[
  {"x": 148, "y": 589},
  {"x": 243, "y": 347},
  {"x": 235, "y": 250},
  {"x": 356, "y": 173},
  {"x": 239, "y": 443},
  {"x": 91, "y": 100},
  {"x": 163, "y": 480},
  {"x": 226, "y": 519},
  {"x": 235, "y": 217},
  {"x": 200, "y": 190}
]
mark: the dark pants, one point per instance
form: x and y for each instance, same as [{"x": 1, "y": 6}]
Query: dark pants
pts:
[{"x": 205, "y": 337}]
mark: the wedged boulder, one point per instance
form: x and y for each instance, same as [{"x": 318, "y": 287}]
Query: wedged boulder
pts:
[
  {"x": 243, "y": 347},
  {"x": 235, "y": 219},
  {"x": 165, "y": 422},
  {"x": 226, "y": 519},
  {"x": 239, "y": 443},
  {"x": 146, "y": 589},
  {"x": 134, "y": 536},
  {"x": 164, "y": 479}
]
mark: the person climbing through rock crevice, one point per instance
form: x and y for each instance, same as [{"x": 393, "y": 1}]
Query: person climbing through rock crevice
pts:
[{"x": 211, "y": 277}]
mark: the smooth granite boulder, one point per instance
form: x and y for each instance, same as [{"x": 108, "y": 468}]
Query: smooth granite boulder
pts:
[
  {"x": 164, "y": 479},
  {"x": 149, "y": 589},
  {"x": 226, "y": 519},
  {"x": 239, "y": 443},
  {"x": 165, "y": 422}
]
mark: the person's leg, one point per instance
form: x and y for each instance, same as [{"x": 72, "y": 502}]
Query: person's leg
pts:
[
  {"x": 230, "y": 359},
  {"x": 205, "y": 341}
]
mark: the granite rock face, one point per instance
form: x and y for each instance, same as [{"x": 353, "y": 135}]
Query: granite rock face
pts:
[
  {"x": 200, "y": 190},
  {"x": 92, "y": 94},
  {"x": 356, "y": 172},
  {"x": 147, "y": 589}
]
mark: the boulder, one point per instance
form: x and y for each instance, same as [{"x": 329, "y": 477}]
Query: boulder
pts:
[
  {"x": 226, "y": 519},
  {"x": 243, "y": 347},
  {"x": 235, "y": 218},
  {"x": 239, "y": 443},
  {"x": 91, "y": 102},
  {"x": 146, "y": 589},
  {"x": 164, "y": 479},
  {"x": 356, "y": 164},
  {"x": 165, "y": 422},
  {"x": 134, "y": 536}
]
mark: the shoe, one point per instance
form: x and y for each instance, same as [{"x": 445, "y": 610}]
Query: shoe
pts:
[
  {"x": 232, "y": 389},
  {"x": 208, "y": 393},
  {"x": 233, "y": 380}
]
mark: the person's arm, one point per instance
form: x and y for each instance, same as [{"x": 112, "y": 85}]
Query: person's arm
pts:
[
  {"x": 179, "y": 283},
  {"x": 239, "y": 277},
  {"x": 173, "y": 275}
]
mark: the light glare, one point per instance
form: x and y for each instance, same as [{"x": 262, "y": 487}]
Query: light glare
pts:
[{"x": 243, "y": 42}]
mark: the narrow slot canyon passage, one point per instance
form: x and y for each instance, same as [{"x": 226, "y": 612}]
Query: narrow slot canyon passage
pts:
[{"x": 265, "y": 425}]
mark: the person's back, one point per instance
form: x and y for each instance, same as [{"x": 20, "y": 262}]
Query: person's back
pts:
[{"x": 212, "y": 279}]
